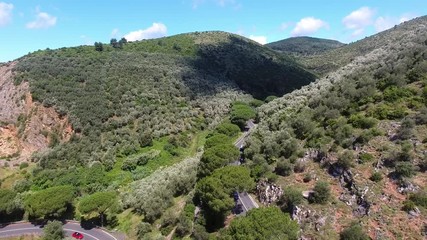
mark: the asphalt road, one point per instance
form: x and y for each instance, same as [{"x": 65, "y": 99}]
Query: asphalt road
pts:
[
  {"x": 244, "y": 198},
  {"x": 19, "y": 229},
  {"x": 247, "y": 202}
]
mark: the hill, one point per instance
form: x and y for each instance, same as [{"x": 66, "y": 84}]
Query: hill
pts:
[
  {"x": 152, "y": 88},
  {"x": 92, "y": 119},
  {"x": 353, "y": 141},
  {"x": 303, "y": 46},
  {"x": 339, "y": 57}
]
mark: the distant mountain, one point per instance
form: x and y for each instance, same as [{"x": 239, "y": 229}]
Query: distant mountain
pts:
[
  {"x": 332, "y": 60},
  {"x": 304, "y": 45}
]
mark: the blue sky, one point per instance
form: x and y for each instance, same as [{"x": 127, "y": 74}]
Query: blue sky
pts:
[{"x": 29, "y": 25}]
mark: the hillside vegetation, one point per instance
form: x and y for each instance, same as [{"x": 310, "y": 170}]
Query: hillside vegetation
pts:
[
  {"x": 137, "y": 115},
  {"x": 340, "y": 57},
  {"x": 304, "y": 46},
  {"x": 355, "y": 140}
]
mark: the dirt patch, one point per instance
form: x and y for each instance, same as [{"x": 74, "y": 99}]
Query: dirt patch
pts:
[{"x": 9, "y": 143}]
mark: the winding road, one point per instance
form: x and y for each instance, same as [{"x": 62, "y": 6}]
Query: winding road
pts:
[
  {"x": 19, "y": 229},
  {"x": 244, "y": 198}
]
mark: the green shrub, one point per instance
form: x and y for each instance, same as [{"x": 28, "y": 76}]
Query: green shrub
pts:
[
  {"x": 394, "y": 93},
  {"x": 321, "y": 193},
  {"x": 143, "y": 229},
  {"x": 354, "y": 232},
  {"x": 23, "y": 165},
  {"x": 307, "y": 178},
  {"x": 366, "y": 157},
  {"x": 284, "y": 167},
  {"x": 53, "y": 231},
  {"x": 360, "y": 121},
  {"x": 408, "y": 205},
  {"x": 376, "y": 177},
  {"x": 290, "y": 198},
  {"x": 419, "y": 198},
  {"x": 405, "y": 169},
  {"x": 346, "y": 160}
]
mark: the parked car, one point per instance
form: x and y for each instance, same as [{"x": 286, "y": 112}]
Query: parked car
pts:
[
  {"x": 236, "y": 196},
  {"x": 238, "y": 209},
  {"x": 77, "y": 235}
]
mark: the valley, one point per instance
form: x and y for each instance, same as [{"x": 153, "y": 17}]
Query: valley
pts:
[{"x": 144, "y": 138}]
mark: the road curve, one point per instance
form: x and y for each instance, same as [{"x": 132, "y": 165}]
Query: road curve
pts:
[{"x": 19, "y": 229}]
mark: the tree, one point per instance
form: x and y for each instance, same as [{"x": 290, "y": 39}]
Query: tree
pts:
[
  {"x": 241, "y": 113},
  {"x": 99, "y": 46},
  {"x": 123, "y": 40},
  {"x": 51, "y": 202},
  {"x": 345, "y": 160},
  {"x": 7, "y": 199},
  {"x": 53, "y": 231},
  {"x": 353, "y": 232},
  {"x": 98, "y": 204},
  {"x": 291, "y": 198},
  {"x": 406, "y": 131},
  {"x": 263, "y": 223},
  {"x": 216, "y": 157},
  {"x": 215, "y": 191},
  {"x": 284, "y": 167},
  {"x": 216, "y": 201},
  {"x": 114, "y": 43},
  {"x": 217, "y": 139},
  {"x": 321, "y": 193},
  {"x": 228, "y": 129},
  {"x": 235, "y": 178},
  {"x": 143, "y": 229}
]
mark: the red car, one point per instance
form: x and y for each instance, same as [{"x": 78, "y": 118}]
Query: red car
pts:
[{"x": 77, "y": 235}]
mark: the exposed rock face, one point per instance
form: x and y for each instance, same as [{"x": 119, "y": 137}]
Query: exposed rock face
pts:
[
  {"x": 25, "y": 126},
  {"x": 353, "y": 196},
  {"x": 407, "y": 187},
  {"x": 308, "y": 216},
  {"x": 268, "y": 193}
]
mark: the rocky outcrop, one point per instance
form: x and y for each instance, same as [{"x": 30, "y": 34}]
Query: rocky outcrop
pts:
[
  {"x": 353, "y": 195},
  {"x": 305, "y": 216},
  {"x": 26, "y": 126},
  {"x": 268, "y": 193}
]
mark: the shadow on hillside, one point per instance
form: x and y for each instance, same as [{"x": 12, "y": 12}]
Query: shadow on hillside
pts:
[{"x": 256, "y": 70}]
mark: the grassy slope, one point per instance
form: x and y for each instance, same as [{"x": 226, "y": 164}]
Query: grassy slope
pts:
[
  {"x": 389, "y": 58},
  {"x": 303, "y": 46},
  {"x": 340, "y": 57}
]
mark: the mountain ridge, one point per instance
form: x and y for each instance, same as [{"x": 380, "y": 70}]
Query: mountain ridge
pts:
[{"x": 304, "y": 45}]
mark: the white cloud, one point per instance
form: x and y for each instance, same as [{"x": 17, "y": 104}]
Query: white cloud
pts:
[
  {"x": 308, "y": 26},
  {"x": 155, "y": 31},
  {"x": 5, "y": 13},
  {"x": 260, "y": 39},
  {"x": 43, "y": 20},
  {"x": 359, "y": 19}
]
